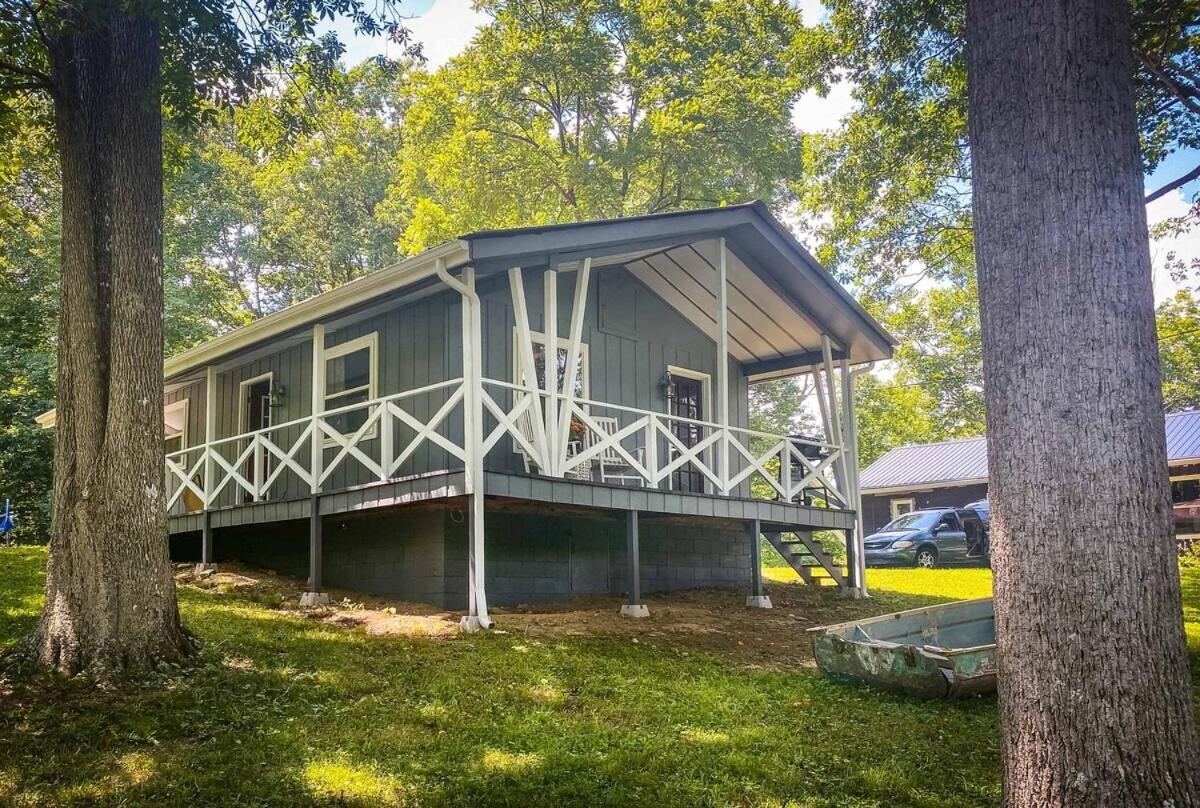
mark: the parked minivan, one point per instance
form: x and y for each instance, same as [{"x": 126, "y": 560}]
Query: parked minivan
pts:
[{"x": 929, "y": 538}]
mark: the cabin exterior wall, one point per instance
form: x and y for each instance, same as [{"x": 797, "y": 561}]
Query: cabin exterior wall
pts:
[
  {"x": 632, "y": 337},
  {"x": 877, "y": 507}
]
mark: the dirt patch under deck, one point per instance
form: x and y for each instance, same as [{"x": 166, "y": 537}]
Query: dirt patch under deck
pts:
[{"x": 711, "y": 620}]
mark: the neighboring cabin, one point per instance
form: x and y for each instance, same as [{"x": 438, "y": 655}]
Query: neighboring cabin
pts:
[
  {"x": 448, "y": 466},
  {"x": 955, "y": 473}
]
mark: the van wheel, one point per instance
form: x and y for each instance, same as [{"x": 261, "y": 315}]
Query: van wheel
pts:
[{"x": 927, "y": 557}]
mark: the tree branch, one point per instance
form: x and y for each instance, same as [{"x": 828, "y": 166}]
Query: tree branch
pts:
[
  {"x": 1185, "y": 95},
  {"x": 35, "y": 76},
  {"x": 1173, "y": 184}
]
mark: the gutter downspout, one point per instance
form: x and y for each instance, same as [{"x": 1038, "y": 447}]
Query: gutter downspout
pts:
[{"x": 474, "y": 444}]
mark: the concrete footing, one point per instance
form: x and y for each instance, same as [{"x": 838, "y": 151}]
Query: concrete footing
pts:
[
  {"x": 470, "y": 625},
  {"x": 758, "y": 602},
  {"x": 314, "y": 600},
  {"x": 630, "y": 610},
  {"x": 205, "y": 569}
]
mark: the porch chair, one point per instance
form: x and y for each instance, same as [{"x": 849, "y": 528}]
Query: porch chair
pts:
[
  {"x": 613, "y": 467},
  {"x": 524, "y": 425}
]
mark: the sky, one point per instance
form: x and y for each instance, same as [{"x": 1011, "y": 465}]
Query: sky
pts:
[{"x": 445, "y": 27}]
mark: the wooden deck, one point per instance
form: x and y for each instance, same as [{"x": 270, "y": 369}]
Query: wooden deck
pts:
[{"x": 553, "y": 491}]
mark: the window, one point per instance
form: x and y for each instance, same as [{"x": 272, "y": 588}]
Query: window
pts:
[
  {"x": 1185, "y": 499},
  {"x": 1185, "y": 491},
  {"x": 175, "y": 426},
  {"x": 350, "y": 373},
  {"x": 903, "y": 506},
  {"x": 539, "y": 362}
]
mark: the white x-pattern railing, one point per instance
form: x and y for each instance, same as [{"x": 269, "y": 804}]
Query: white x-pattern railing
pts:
[
  {"x": 252, "y": 463},
  {"x": 654, "y": 445}
]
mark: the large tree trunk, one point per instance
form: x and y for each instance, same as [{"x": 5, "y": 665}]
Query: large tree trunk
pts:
[
  {"x": 110, "y": 596},
  {"x": 1095, "y": 700}
]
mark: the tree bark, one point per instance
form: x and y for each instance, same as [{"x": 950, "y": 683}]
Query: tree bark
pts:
[
  {"x": 1095, "y": 698},
  {"x": 110, "y": 596}
]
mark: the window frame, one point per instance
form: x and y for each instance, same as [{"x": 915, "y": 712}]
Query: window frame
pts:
[
  {"x": 537, "y": 338},
  {"x": 911, "y": 502},
  {"x": 181, "y": 404},
  {"x": 371, "y": 343}
]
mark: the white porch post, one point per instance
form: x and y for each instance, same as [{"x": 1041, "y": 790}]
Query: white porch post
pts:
[
  {"x": 210, "y": 434},
  {"x": 318, "y": 404},
  {"x": 577, "y": 315},
  {"x": 723, "y": 366},
  {"x": 528, "y": 374},
  {"x": 550, "y": 363},
  {"x": 314, "y": 597},
  {"x": 472, "y": 357},
  {"x": 858, "y": 578},
  {"x": 833, "y": 426}
]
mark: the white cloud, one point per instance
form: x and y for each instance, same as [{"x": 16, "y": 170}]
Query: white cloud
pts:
[
  {"x": 1185, "y": 246},
  {"x": 446, "y": 29},
  {"x": 812, "y": 113}
]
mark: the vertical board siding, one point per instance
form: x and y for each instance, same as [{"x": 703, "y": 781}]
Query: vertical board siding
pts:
[
  {"x": 420, "y": 343},
  {"x": 624, "y": 368}
]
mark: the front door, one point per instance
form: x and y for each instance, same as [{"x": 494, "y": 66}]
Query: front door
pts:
[
  {"x": 257, "y": 415},
  {"x": 686, "y": 400}
]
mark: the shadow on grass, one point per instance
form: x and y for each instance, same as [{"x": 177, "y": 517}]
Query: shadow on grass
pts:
[{"x": 281, "y": 710}]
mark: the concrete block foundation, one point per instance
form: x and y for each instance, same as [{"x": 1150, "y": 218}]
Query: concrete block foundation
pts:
[{"x": 419, "y": 553}]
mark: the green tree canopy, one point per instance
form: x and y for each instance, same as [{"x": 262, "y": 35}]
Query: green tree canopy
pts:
[{"x": 564, "y": 111}]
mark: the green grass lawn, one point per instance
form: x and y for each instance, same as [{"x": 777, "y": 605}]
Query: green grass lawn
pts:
[{"x": 284, "y": 710}]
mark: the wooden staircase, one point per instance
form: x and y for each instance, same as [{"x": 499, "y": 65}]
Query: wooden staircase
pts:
[{"x": 810, "y": 561}]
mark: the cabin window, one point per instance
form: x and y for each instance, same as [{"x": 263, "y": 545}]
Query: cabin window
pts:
[
  {"x": 539, "y": 362},
  {"x": 903, "y": 506},
  {"x": 175, "y": 426},
  {"x": 1185, "y": 499},
  {"x": 350, "y": 378}
]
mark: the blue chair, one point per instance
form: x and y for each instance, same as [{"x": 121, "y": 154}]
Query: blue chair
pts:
[{"x": 6, "y": 519}]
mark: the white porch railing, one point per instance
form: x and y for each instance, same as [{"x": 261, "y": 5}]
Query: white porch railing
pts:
[
  {"x": 649, "y": 447},
  {"x": 253, "y": 464},
  {"x": 653, "y": 446}
]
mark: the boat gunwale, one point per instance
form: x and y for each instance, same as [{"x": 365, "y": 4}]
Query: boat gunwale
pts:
[{"x": 883, "y": 618}]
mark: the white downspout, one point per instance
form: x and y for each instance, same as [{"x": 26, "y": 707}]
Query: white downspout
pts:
[{"x": 472, "y": 434}]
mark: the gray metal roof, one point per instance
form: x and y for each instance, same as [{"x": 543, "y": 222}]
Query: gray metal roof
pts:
[
  {"x": 965, "y": 460},
  {"x": 930, "y": 463},
  {"x": 1183, "y": 436}
]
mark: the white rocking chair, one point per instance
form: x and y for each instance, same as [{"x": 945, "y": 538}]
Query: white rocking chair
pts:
[
  {"x": 614, "y": 467},
  {"x": 524, "y": 424}
]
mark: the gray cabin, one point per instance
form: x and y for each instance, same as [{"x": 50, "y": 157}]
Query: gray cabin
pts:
[{"x": 400, "y": 435}]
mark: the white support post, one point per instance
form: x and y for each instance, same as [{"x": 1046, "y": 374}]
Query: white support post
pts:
[
  {"x": 210, "y": 429},
  {"x": 835, "y": 421},
  {"x": 210, "y": 435},
  {"x": 472, "y": 357},
  {"x": 550, "y": 363},
  {"x": 858, "y": 575},
  {"x": 528, "y": 374},
  {"x": 568, "y": 384},
  {"x": 387, "y": 446},
  {"x": 723, "y": 366},
  {"x": 318, "y": 405}
]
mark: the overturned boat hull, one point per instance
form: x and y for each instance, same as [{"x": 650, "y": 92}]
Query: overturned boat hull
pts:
[{"x": 948, "y": 650}]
